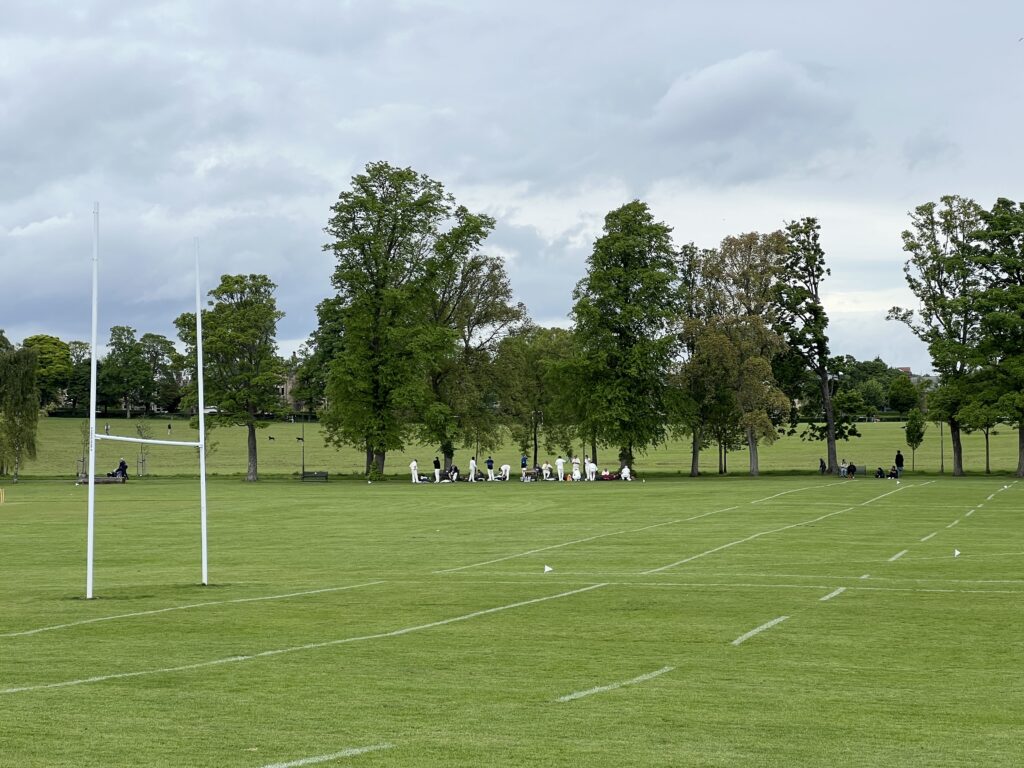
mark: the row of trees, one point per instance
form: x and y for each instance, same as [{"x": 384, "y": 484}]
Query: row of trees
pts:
[
  {"x": 966, "y": 267},
  {"x": 422, "y": 339}
]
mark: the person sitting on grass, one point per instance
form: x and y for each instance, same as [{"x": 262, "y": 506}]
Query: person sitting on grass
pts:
[
  {"x": 894, "y": 472},
  {"x": 625, "y": 473},
  {"x": 851, "y": 470},
  {"x": 880, "y": 473},
  {"x": 121, "y": 471}
]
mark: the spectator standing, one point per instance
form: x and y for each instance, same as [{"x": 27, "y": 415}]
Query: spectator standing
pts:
[
  {"x": 560, "y": 468},
  {"x": 490, "y": 468},
  {"x": 899, "y": 463},
  {"x": 505, "y": 472},
  {"x": 414, "y": 468},
  {"x": 472, "y": 470},
  {"x": 437, "y": 470}
]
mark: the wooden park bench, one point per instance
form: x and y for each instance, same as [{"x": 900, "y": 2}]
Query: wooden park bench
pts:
[
  {"x": 318, "y": 476},
  {"x": 102, "y": 480}
]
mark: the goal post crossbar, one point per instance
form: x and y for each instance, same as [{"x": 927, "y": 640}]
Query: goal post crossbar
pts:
[
  {"x": 93, "y": 437},
  {"x": 148, "y": 441}
]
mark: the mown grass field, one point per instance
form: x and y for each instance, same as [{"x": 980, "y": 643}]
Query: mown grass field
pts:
[
  {"x": 392, "y": 624},
  {"x": 60, "y": 447}
]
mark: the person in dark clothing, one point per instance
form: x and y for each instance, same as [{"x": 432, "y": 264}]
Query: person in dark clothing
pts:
[
  {"x": 851, "y": 471},
  {"x": 822, "y": 469},
  {"x": 899, "y": 463},
  {"x": 437, "y": 470},
  {"x": 121, "y": 471}
]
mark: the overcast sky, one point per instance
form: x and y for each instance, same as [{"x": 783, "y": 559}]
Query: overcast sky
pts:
[{"x": 240, "y": 123}]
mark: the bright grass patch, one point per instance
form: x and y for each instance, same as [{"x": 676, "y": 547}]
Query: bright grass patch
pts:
[{"x": 420, "y": 622}]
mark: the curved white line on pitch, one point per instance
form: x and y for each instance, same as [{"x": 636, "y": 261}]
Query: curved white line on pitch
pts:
[
  {"x": 758, "y": 630},
  {"x": 581, "y": 541},
  {"x": 185, "y": 608},
  {"x": 296, "y": 648},
  {"x": 614, "y": 686},
  {"x": 765, "y": 533},
  {"x": 352, "y": 752},
  {"x": 795, "y": 490}
]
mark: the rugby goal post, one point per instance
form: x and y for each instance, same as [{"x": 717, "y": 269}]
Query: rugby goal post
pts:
[{"x": 93, "y": 437}]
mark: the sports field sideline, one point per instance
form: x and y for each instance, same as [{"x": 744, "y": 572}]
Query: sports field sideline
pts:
[{"x": 791, "y": 621}]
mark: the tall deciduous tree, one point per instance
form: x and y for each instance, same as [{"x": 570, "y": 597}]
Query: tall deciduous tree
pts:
[
  {"x": 470, "y": 304},
  {"x": 1001, "y": 305},
  {"x": 242, "y": 371},
  {"x": 749, "y": 271},
  {"x": 944, "y": 275},
  {"x": 125, "y": 377},
  {"x": 19, "y": 408},
  {"x": 397, "y": 236},
  {"x": 53, "y": 370},
  {"x": 802, "y": 317},
  {"x": 626, "y": 340}
]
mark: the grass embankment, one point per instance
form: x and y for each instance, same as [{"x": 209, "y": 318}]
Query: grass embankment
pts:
[{"x": 60, "y": 448}]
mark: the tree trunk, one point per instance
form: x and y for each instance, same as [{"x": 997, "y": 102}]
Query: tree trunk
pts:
[
  {"x": 721, "y": 458},
  {"x": 369, "y": 459},
  {"x": 251, "y": 475},
  {"x": 695, "y": 454},
  {"x": 378, "y": 461},
  {"x": 752, "y": 448},
  {"x": 830, "y": 422},
  {"x": 593, "y": 450},
  {"x": 1020, "y": 451},
  {"x": 988, "y": 467},
  {"x": 958, "y": 449},
  {"x": 535, "y": 443}
]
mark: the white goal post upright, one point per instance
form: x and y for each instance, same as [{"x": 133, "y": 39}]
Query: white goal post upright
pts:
[{"x": 93, "y": 437}]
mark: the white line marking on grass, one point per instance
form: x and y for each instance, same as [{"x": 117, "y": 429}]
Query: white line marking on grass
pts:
[
  {"x": 794, "y": 490},
  {"x": 765, "y": 533},
  {"x": 188, "y": 607},
  {"x": 979, "y": 506},
  {"x": 968, "y": 513},
  {"x": 295, "y": 648},
  {"x": 759, "y": 630},
  {"x": 990, "y": 497},
  {"x": 581, "y": 541},
  {"x": 613, "y": 686},
  {"x": 953, "y": 523},
  {"x": 930, "y": 535},
  {"x": 898, "y": 555},
  {"x": 830, "y": 595},
  {"x": 334, "y": 756},
  {"x": 866, "y": 576}
]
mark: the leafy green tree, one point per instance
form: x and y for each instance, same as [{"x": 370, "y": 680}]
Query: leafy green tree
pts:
[
  {"x": 903, "y": 395},
  {"x": 242, "y": 371},
  {"x": 126, "y": 377},
  {"x": 533, "y": 401},
  {"x": 750, "y": 265},
  {"x": 1000, "y": 302},
  {"x": 54, "y": 368},
  {"x": 914, "y": 429},
  {"x": 802, "y": 318},
  {"x": 19, "y": 408},
  {"x": 944, "y": 275},
  {"x": 386, "y": 231},
  {"x": 873, "y": 394},
  {"x": 165, "y": 363},
  {"x": 626, "y": 340},
  {"x": 471, "y": 305},
  {"x": 981, "y": 414},
  {"x": 5, "y": 345}
]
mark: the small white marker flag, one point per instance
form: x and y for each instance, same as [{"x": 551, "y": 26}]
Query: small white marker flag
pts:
[
  {"x": 548, "y": 569},
  {"x": 956, "y": 553}
]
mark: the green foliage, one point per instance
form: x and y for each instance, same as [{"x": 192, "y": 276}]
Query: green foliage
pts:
[
  {"x": 242, "y": 371},
  {"x": 125, "y": 377},
  {"x": 19, "y": 408},
  {"x": 385, "y": 232},
  {"x": 54, "y": 367},
  {"x": 915, "y": 429},
  {"x": 903, "y": 395},
  {"x": 625, "y": 341}
]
